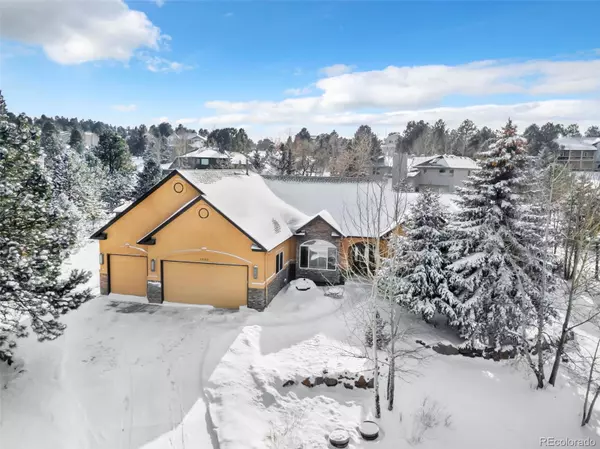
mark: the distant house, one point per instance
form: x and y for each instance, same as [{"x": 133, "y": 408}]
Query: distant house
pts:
[
  {"x": 203, "y": 158},
  {"x": 443, "y": 173},
  {"x": 579, "y": 153},
  {"x": 181, "y": 143}
]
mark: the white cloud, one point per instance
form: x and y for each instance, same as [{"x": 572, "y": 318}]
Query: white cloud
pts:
[
  {"x": 159, "y": 64},
  {"x": 124, "y": 107},
  {"x": 187, "y": 121},
  {"x": 336, "y": 69},
  {"x": 160, "y": 120},
  {"x": 296, "y": 92},
  {"x": 159, "y": 3},
  {"x": 79, "y": 31},
  {"x": 229, "y": 14},
  {"x": 395, "y": 95}
]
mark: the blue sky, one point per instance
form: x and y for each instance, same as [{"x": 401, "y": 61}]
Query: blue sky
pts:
[{"x": 263, "y": 65}]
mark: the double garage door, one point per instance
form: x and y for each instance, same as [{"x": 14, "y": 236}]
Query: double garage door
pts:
[{"x": 224, "y": 286}]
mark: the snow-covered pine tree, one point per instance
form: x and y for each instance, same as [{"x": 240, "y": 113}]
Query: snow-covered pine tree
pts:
[
  {"x": 424, "y": 276},
  {"x": 33, "y": 244},
  {"x": 151, "y": 173},
  {"x": 494, "y": 248}
]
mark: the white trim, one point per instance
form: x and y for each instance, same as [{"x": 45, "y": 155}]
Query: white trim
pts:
[
  {"x": 128, "y": 245},
  {"x": 204, "y": 249}
]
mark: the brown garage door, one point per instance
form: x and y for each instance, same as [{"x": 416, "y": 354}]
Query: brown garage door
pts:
[
  {"x": 128, "y": 274},
  {"x": 224, "y": 286}
]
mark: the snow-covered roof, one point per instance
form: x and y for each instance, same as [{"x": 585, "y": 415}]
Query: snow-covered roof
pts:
[
  {"x": 249, "y": 203},
  {"x": 237, "y": 158},
  {"x": 325, "y": 215},
  {"x": 597, "y": 141},
  {"x": 449, "y": 161},
  {"x": 413, "y": 161},
  {"x": 122, "y": 207},
  {"x": 577, "y": 143},
  {"x": 207, "y": 153},
  {"x": 353, "y": 204}
]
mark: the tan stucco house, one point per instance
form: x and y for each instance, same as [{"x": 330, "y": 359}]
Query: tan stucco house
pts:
[{"x": 228, "y": 238}]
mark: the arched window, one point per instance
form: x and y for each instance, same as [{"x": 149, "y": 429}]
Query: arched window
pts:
[{"x": 318, "y": 255}]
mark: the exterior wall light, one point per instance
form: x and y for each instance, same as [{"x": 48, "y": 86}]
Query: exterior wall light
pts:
[
  {"x": 152, "y": 265},
  {"x": 101, "y": 259},
  {"x": 255, "y": 271}
]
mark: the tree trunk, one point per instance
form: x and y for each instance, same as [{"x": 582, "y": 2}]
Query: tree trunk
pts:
[
  {"x": 563, "y": 338},
  {"x": 597, "y": 267},
  {"x": 591, "y": 409}
]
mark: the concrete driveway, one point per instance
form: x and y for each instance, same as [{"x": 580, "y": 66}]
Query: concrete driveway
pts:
[{"x": 122, "y": 375}]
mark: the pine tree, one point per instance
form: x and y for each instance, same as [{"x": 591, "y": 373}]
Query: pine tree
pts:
[
  {"x": 113, "y": 152},
  {"x": 151, "y": 173},
  {"x": 33, "y": 243},
  {"x": 495, "y": 245},
  {"x": 76, "y": 139},
  {"x": 424, "y": 274}
]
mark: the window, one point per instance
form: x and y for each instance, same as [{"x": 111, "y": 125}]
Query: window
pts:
[
  {"x": 451, "y": 172},
  {"x": 442, "y": 170},
  {"x": 203, "y": 161},
  {"x": 318, "y": 255},
  {"x": 469, "y": 173},
  {"x": 279, "y": 262},
  {"x": 424, "y": 170}
]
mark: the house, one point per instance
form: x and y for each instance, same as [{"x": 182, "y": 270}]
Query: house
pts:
[
  {"x": 183, "y": 142},
  {"x": 228, "y": 239},
  {"x": 579, "y": 153},
  {"x": 203, "y": 158},
  {"x": 443, "y": 173}
]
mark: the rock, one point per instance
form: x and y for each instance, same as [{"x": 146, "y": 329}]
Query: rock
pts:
[
  {"x": 361, "y": 383},
  {"x": 307, "y": 383},
  {"x": 318, "y": 380},
  {"x": 443, "y": 349},
  {"x": 422, "y": 343},
  {"x": 289, "y": 383},
  {"x": 371, "y": 383},
  {"x": 330, "y": 381},
  {"x": 348, "y": 386}
]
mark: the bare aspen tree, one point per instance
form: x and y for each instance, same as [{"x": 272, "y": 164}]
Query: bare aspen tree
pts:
[{"x": 581, "y": 229}]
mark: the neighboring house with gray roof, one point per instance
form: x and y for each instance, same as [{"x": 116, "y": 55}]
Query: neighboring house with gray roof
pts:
[
  {"x": 442, "y": 173},
  {"x": 579, "y": 153}
]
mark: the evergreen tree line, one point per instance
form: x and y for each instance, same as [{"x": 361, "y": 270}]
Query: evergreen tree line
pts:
[{"x": 488, "y": 268}]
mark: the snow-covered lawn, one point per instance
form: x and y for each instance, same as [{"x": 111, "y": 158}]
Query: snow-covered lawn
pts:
[{"x": 133, "y": 375}]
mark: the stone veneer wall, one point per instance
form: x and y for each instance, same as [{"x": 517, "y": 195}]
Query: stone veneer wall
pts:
[
  {"x": 257, "y": 299},
  {"x": 104, "y": 284},
  {"x": 319, "y": 229},
  {"x": 282, "y": 278}
]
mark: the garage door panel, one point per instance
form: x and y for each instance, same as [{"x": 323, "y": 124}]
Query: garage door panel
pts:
[
  {"x": 128, "y": 274},
  {"x": 223, "y": 286}
]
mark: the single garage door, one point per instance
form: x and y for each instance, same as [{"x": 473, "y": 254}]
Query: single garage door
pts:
[
  {"x": 128, "y": 274},
  {"x": 224, "y": 286}
]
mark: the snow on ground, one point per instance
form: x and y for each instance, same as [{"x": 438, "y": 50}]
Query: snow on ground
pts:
[{"x": 132, "y": 375}]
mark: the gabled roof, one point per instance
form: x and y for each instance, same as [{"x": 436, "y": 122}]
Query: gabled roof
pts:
[
  {"x": 100, "y": 235},
  {"x": 148, "y": 238},
  {"x": 325, "y": 216},
  {"x": 208, "y": 153},
  {"x": 449, "y": 161},
  {"x": 247, "y": 202}
]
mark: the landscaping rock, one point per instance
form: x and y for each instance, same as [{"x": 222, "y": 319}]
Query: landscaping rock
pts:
[
  {"x": 371, "y": 383},
  {"x": 443, "y": 349},
  {"x": 422, "y": 343},
  {"x": 307, "y": 383},
  {"x": 348, "y": 386},
  {"x": 318, "y": 380},
  {"x": 361, "y": 383},
  {"x": 330, "y": 381},
  {"x": 289, "y": 383}
]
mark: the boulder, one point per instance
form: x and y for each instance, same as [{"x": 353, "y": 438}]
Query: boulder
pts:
[
  {"x": 348, "y": 386},
  {"x": 307, "y": 383},
  {"x": 289, "y": 383},
  {"x": 371, "y": 383},
  {"x": 443, "y": 349},
  {"x": 361, "y": 383},
  {"x": 318, "y": 380},
  {"x": 330, "y": 381}
]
